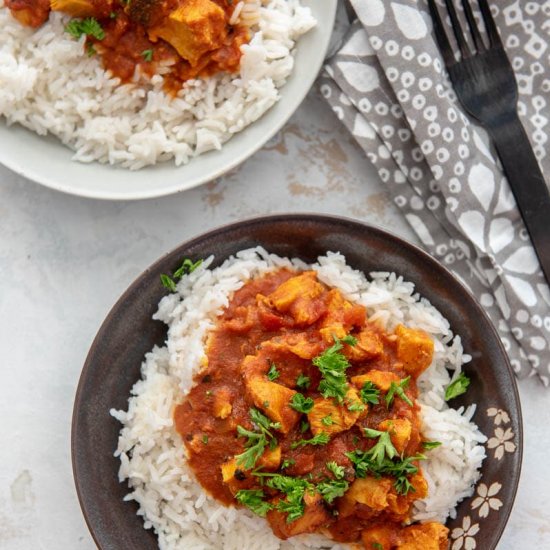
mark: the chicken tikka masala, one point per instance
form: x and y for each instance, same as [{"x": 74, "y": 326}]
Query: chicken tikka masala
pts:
[
  {"x": 182, "y": 39},
  {"x": 305, "y": 413}
]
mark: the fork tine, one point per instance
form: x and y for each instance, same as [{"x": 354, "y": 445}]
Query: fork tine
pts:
[
  {"x": 441, "y": 36},
  {"x": 492, "y": 31},
  {"x": 478, "y": 40},
  {"x": 457, "y": 28}
]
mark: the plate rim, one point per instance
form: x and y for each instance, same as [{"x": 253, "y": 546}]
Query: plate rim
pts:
[
  {"x": 181, "y": 183},
  {"x": 319, "y": 218}
]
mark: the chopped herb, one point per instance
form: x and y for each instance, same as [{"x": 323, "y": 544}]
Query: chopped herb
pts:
[
  {"x": 319, "y": 439},
  {"x": 327, "y": 420},
  {"x": 384, "y": 448},
  {"x": 369, "y": 393},
  {"x": 90, "y": 50},
  {"x": 355, "y": 406},
  {"x": 147, "y": 55},
  {"x": 355, "y": 440},
  {"x": 113, "y": 15},
  {"x": 208, "y": 393},
  {"x": 398, "y": 389},
  {"x": 186, "y": 267},
  {"x": 303, "y": 382},
  {"x": 294, "y": 489},
  {"x": 205, "y": 439},
  {"x": 266, "y": 404},
  {"x": 429, "y": 445},
  {"x": 332, "y": 489},
  {"x": 89, "y": 26},
  {"x": 304, "y": 426},
  {"x": 273, "y": 373},
  {"x": 337, "y": 471},
  {"x": 377, "y": 546},
  {"x": 349, "y": 339},
  {"x": 287, "y": 462},
  {"x": 256, "y": 441},
  {"x": 168, "y": 283},
  {"x": 332, "y": 364},
  {"x": 254, "y": 499},
  {"x": 458, "y": 387},
  {"x": 301, "y": 404}
]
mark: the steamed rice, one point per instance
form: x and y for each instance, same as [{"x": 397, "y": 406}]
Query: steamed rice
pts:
[
  {"x": 50, "y": 85},
  {"x": 152, "y": 454}
]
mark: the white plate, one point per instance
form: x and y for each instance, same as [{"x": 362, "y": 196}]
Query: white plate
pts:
[{"x": 46, "y": 161}]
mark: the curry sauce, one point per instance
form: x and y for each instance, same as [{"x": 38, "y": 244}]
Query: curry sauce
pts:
[
  {"x": 180, "y": 39},
  {"x": 305, "y": 412}
]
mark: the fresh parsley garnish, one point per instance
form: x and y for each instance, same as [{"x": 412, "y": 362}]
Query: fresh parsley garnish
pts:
[
  {"x": 398, "y": 389},
  {"x": 304, "y": 426},
  {"x": 89, "y": 26},
  {"x": 303, "y": 382},
  {"x": 377, "y": 546},
  {"x": 332, "y": 489},
  {"x": 205, "y": 439},
  {"x": 429, "y": 445},
  {"x": 333, "y": 364},
  {"x": 319, "y": 439},
  {"x": 355, "y": 406},
  {"x": 257, "y": 441},
  {"x": 383, "y": 448},
  {"x": 369, "y": 393},
  {"x": 147, "y": 55},
  {"x": 301, "y": 403},
  {"x": 335, "y": 470},
  {"x": 287, "y": 462},
  {"x": 186, "y": 268},
  {"x": 254, "y": 499},
  {"x": 273, "y": 373},
  {"x": 327, "y": 420},
  {"x": 458, "y": 387}
]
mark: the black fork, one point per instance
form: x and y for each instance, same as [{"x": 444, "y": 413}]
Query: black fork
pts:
[{"x": 485, "y": 85}]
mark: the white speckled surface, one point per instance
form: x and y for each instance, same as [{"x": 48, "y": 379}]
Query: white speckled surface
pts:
[{"x": 64, "y": 261}]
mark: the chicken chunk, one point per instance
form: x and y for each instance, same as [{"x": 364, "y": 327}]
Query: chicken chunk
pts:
[
  {"x": 31, "y": 13},
  {"x": 300, "y": 296},
  {"x": 368, "y": 346},
  {"x": 427, "y": 536},
  {"x": 369, "y": 491},
  {"x": 194, "y": 28},
  {"x": 83, "y": 8},
  {"x": 415, "y": 349},
  {"x": 381, "y": 379},
  {"x": 341, "y": 316},
  {"x": 274, "y": 400},
  {"x": 330, "y": 417},
  {"x": 400, "y": 505},
  {"x": 400, "y": 430},
  {"x": 315, "y": 516}
]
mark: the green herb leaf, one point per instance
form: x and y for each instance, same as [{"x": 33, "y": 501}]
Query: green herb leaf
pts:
[
  {"x": 333, "y": 364},
  {"x": 327, "y": 420},
  {"x": 429, "y": 445},
  {"x": 205, "y": 439},
  {"x": 355, "y": 406},
  {"x": 113, "y": 15},
  {"x": 147, "y": 55},
  {"x": 350, "y": 340},
  {"x": 168, "y": 283},
  {"x": 287, "y": 462},
  {"x": 332, "y": 489},
  {"x": 369, "y": 393},
  {"x": 304, "y": 426},
  {"x": 337, "y": 471},
  {"x": 301, "y": 403},
  {"x": 319, "y": 439},
  {"x": 398, "y": 389},
  {"x": 377, "y": 546},
  {"x": 303, "y": 382},
  {"x": 458, "y": 387},
  {"x": 89, "y": 26},
  {"x": 256, "y": 441},
  {"x": 186, "y": 267},
  {"x": 294, "y": 489},
  {"x": 384, "y": 448},
  {"x": 273, "y": 373},
  {"x": 254, "y": 499}
]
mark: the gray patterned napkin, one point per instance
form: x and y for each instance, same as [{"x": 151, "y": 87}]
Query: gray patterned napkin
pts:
[{"x": 388, "y": 85}]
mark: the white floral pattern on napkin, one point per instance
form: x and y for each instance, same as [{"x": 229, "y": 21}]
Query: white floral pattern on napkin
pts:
[{"x": 388, "y": 85}]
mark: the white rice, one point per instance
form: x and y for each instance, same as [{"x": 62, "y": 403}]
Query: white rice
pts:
[
  {"x": 50, "y": 85},
  {"x": 152, "y": 454}
]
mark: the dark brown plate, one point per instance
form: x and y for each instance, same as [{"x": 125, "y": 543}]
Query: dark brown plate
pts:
[{"x": 128, "y": 332}]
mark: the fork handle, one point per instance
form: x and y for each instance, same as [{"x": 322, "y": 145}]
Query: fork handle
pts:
[{"x": 527, "y": 183}]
